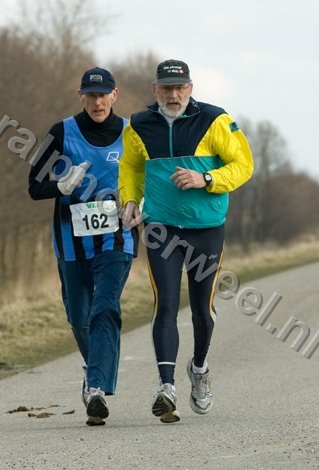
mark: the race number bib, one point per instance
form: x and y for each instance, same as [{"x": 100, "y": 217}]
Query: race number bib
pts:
[{"x": 94, "y": 218}]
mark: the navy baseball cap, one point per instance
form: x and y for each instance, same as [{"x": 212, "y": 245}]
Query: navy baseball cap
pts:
[
  {"x": 172, "y": 72},
  {"x": 97, "y": 80}
]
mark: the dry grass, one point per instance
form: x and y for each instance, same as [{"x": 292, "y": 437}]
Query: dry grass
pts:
[
  {"x": 36, "y": 331},
  {"x": 270, "y": 258},
  {"x": 32, "y": 333}
]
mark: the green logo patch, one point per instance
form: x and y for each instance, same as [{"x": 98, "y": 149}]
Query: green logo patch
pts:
[
  {"x": 234, "y": 126},
  {"x": 91, "y": 205}
]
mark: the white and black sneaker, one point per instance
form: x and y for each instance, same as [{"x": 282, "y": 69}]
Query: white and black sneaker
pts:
[
  {"x": 96, "y": 407},
  {"x": 164, "y": 404},
  {"x": 201, "y": 397}
]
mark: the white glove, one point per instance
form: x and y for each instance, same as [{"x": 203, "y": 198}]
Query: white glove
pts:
[{"x": 73, "y": 178}]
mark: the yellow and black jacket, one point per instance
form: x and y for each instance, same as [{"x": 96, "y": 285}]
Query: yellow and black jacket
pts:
[{"x": 206, "y": 139}]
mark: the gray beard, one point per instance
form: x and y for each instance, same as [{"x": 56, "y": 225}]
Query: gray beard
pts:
[{"x": 170, "y": 113}]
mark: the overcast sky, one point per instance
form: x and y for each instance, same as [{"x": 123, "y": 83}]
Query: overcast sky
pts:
[{"x": 257, "y": 59}]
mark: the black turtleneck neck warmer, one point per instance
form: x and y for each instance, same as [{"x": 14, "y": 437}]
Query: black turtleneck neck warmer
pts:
[{"x": 100, "y": 134}]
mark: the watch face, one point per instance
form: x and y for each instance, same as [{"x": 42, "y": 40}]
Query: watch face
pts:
[{"x": 208, "y": 178}]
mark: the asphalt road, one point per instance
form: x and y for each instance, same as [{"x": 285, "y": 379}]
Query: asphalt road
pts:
[{"x": 266, "y": 413}]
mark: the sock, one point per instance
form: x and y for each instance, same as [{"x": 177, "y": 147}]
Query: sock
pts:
[
  {"x": 173, "y": 386},
  {"x": 200, "y": 370}
]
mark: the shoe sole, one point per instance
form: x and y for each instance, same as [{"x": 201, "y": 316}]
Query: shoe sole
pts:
[
  {"x": 172, "y": 417},
  {"x": 92, "y": 421},
  {"x": 163, "y": 405},
  {"x": 97, "y": 408},
  {"x": 194, "y": 407}
]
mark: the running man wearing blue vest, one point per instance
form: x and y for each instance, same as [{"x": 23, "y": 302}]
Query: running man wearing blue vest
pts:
[
  {"x": 79, "y": 168},
  {"x": 183, "y": 157}
]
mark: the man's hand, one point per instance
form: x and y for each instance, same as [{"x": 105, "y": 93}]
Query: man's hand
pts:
[
  {"x": 187, "y": 179},
  {"x": 131, "y": 216},
  {"x": 73, "y": 178}
]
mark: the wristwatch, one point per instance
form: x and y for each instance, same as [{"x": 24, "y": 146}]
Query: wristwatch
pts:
[{"x": 208, "y": 178}]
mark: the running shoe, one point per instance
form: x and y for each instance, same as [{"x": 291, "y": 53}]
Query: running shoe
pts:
[
  {"x": 96, "y": 407},
  {"x": 201, "y": 398},
  {"x": 164, "y": 404}
]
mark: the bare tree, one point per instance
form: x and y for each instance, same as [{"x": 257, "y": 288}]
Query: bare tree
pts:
[
  {"x": 42, "y": 57},
  {"x": 135, "y": 75},
  {"x": 270, "y": 204},
  {"x": 270, "y": 156},
  {"x": 290, "y": 207}
]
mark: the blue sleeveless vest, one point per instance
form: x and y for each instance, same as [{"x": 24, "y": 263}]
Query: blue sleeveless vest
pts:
[
  {"x": 104, "y": 162},
  {"x": 102, "y": 180}
]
